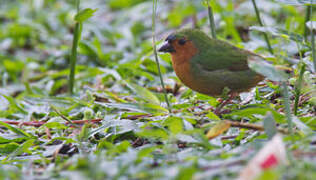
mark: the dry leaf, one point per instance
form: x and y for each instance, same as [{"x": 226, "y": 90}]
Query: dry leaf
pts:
[{"x": 218, "y": 129}]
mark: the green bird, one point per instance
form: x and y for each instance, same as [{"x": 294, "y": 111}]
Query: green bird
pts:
[{"x": 208, "y": 65}]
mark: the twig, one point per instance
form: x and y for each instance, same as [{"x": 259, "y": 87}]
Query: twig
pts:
[
  {"x": 251, "y": 126},
  {"x": 228, "y": 137},
  {"x": 30, "y": 123},
  {"x": 134, "y": 117},
  {"x": 300, "y": 154},
  {"x": 48, "y": 134}
]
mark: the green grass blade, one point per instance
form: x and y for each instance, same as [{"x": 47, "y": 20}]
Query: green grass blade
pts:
[
  {"x": 298, "y": 88},
  {"x": 211, "y": 19},
  {"x": 261, "y": 24},
  {"x": 307, "y": 18},
  {"x": 73, "y": 57},
  {"x": 287, "y": 106},
  {"x": 155, "y": 52}
]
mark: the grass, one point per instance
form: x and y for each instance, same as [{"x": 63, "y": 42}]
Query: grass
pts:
[
  {"x": 114, "y": 125},
  {"x": 211, "y": 19},
  {"x": 155, "y": 53}
]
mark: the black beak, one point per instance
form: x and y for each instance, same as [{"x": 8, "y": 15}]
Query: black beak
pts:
[{"x": 167, "y": 48}]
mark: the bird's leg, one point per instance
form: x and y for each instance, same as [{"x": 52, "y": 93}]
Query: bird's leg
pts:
[{"x": 218, "y": 109}]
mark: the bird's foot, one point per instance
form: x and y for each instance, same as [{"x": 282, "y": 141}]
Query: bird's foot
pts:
[{"x": 218, "y": 111}]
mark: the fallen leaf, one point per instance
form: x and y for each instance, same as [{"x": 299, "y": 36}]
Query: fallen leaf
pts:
[{"x": 218, "y": 129}]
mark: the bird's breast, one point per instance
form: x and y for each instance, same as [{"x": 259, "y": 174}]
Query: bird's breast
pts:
[
  {"x": 183, "y": 71},
  {"x": 182, "y": 64}
]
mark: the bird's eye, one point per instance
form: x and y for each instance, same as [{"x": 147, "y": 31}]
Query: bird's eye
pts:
[{"x": 182, "y": 41}]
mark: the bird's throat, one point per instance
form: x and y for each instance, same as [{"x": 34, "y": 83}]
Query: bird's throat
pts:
[{"x": 181, "y": 62}]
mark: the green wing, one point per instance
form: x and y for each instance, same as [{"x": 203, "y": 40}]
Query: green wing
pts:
[{"x": 221, "y": 55}]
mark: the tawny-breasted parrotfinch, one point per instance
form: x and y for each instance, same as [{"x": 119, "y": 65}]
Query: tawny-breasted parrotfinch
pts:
[{"x": 208, "y": 65}]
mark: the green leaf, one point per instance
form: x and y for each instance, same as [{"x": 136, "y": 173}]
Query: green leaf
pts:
[
  {"x": 212, "y": 116},
  {"x": 8, "y": 148},
  {"x": 269, "y": 125},
  {"x": 175, "y": 124},
  {"x": 23, "y": 148},
  {"x": 16, "y": 130},
  {"x": 8, "y": 139},
  {"x": 84, "y": 14},
  {"x": 268, "y": 70},
  {"x": 154, "y": 133},
  {"x": 250, "y": 111},
  {"x": 285, "y": 34},
  {"x": 114, "y": 149},
  {"x": 145, "y": 152},
  {"x": 301, "y": 126},
  {"x": 143, "y": 93},
  {"x": 14, "y": 104},
  {"x": 186, "y": 173}
]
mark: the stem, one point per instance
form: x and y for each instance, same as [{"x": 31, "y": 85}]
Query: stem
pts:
[
  {"x": 78, "y": 5},
  {"x": 155, "y": 52},
  {"x": 307, "y": 18},
  {"x": 287, "y": 108},
  {"x": 299, "y": 81},
  {"x": 313, "y": 39},
  {"x": 211, "y": 19},
  {"x": 73, "y": 57},
  {"x": 261, "y": 24},
  {"x": 298, "y": 88}
]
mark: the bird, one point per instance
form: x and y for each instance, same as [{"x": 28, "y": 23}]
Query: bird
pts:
[{"x": 211, "y": 66}]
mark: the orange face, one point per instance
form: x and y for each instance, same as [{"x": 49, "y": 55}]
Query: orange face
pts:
[{"x": 181, "y": 49}]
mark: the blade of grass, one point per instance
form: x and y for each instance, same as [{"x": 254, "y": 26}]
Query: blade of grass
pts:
[
  {"x": 307, "y": 18},
  {"x": 298, "y": 88},
  {"x": 287, "y": 107},
  {"x": 155, "y": 52},
  {"x": 313, "y": 39},
  {"x": 73, "y": 57},
  {"x": 299, "y": 81},
  {"x": 211, "y": 19},
  {"x": 62, "y": 116},
  {"x": 261, "y": 24}
]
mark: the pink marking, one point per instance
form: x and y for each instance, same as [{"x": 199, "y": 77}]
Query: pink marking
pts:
[{"x": 269, "y": 162}]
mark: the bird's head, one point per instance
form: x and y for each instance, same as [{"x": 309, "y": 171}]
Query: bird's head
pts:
[{"x": 182, "y": 41}]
